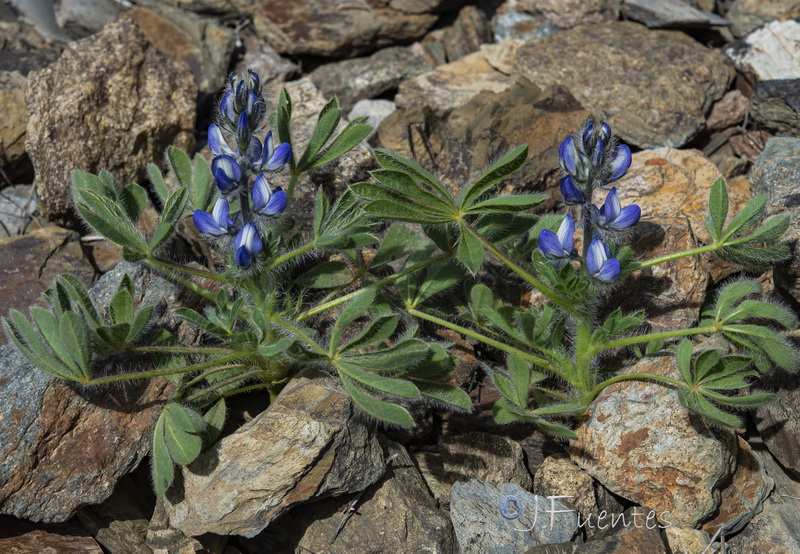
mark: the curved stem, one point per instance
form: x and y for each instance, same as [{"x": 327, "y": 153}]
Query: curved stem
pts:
[
  {"x": 216, "y": 386},
  {"x": 211, "y": 372},
  {"x": 299, "y": 333},
  {"x": 181, "y": 350},
  {"x": 385, "y": 281},
  {"x": 630, "y": 377},
  {"x": 194, "y": 287},
  {"x": 678, "y": 255},
  {"x": 639, "y": 339},
  {"x": 171, "y": 371},
  {"x": 291, "y": 254},
  {"x": 552, "y": 295},
  {"x": 188, "y": 269},
  {"x": 537, "y": 360}
]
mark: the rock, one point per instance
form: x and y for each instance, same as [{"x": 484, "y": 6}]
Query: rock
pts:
[
  {"x": 749, "y": 144},
  {"x": 566, "y": 14},
  {"x": 396, "y": 514},
  {"x": 322, "y": 28},
  {"x": 309, "y": 444},
  {"x": 485, "y": 519},
  {"x": 20, "y": 537},
  {"x": 467, "y": 33},
  {"x": 432, "y": 470},
  {"x": 425, "y": 6},
  {"x": 671, "y": 294},
  {"x": 120, "y": 522},
  {"x": 39, "y": 13},
  {"x": 162, "y": 539},
  {"x": 641, "y": 444},
  {"x": 65, "y": 449},
  {"x": 374, "y": 110},
  {"x": 729, "y": 110},
  {"x": 264, "y": 60},
  {"x": 769, "y": 53},
  {"x": 776, "y": 528},
  {"x": 452, "y": 85},
  {"x": 200, "y": 6},
  {"x": 30, "y": 263},
  {"x": 559, "y": 476},
  {"x": 748, "y": 15},
  {"x": 81, "y": 18},
  {"x": 682, "y": 78},
  {"x": 686, "y": 540},
  {"x": 485, "y": 457},
  {"x": 520, "y": 26},
  {"x": 660, "y": 14},
  {"x": 492, "y": 125},
  {"x": 364, "y": 78},
  {"x": 73, "y": 121},
  {"x": 17, "y": 203},
  {"x": 15, "y": 117},
  {"x": 775, "y": 173},
  {"x": 743, "y": 497},
  {"x": 668, "y": 183},
  {"x": 202, "y": 43},
  {"x": 776, "y": 105}
]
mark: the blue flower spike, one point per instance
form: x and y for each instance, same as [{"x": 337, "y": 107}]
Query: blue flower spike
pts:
[
  {"x": 265, "y": 201},
  {"x": 568, "y": 154},
  {"x": 620, "y": 162},
  {"x": 599, "y": 262},
  {"x": 217, "y": 142},
  {"x": 273, "y": 159},
  {"x": 558, "y": 245},
  {"x": 614, "y": 216},
  {"x": 215, "y": 223},
  {"x": 247, "y": 244},
  {"x": 572, "y": 194},
  {"x": 226, "y": 172}
]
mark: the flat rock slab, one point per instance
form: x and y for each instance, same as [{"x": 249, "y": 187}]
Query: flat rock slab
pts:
[
  {"x": 95, "y": 121},
  {"x": 333, "y": 29},
  {"x": 641, "y": 444},
  {"x": 609, "y": 66},
  {"x": 64, "y": 448},
  {"x": 661, "y": 14},
  {"x": 507, "y": 519},
  {"x": 311, "y": 443},
  {"x": 769, "y": 52}
]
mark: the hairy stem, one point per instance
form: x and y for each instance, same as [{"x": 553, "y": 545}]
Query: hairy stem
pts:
[
  {"x": 678, "y": 255},
  {"x": 665, "y": 335},
  {"x": 171, "y": 371},
  {"x": 631, "y": 377}
]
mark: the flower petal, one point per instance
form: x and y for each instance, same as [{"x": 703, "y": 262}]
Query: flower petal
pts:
[
  {"x": 216, "y": 141},
  {"x": 280, "y": 157},
  {"x": 565, "y": 233},
  {"x": 567, "y": 154},
  {"x": 228, "y": 165},
  {"x": 549, "y": 244},
  {"x": 206, "y": 224},
  {"x": 596, "y": 256},
  {"x": 220, "y": 212},
  {"x": 612, "y": 206},
  {"x": 276, "y": 204},
  {"x": 610, "y": 270},
  {"x": 269, "y": 148},
  {"x": 261, "y": 192},
  {"x": 620, "y": 161},
  {"x": 628, "y": 217},
  {"x": 243, "y": 257},
  {"x": 572, "y": 194}
]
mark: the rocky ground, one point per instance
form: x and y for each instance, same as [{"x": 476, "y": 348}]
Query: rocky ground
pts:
[{"x": 697, "y": 88}]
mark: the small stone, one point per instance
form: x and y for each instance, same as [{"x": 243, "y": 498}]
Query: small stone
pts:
[
  {"x": 487, "y": 520},
  {"x": 566, "y": 14},
  {"x": 333, "y": 29},
  {"x": 374, "y": 110},
  {"x": 661, "y": 14},
  {"x": 520, "y": 26},
  {"x": 309, "y": 444},
  {"x": 485, "y": 457},
  {"x": 17, "y": 204},
  {"x": 364, "y": 78},
  {"x": 776, "y": 105},
  {"x": 770, "y": 52},
  {"x": 680, "y": 539},
  {"x": 467, "y": 33},
  {"x": 95, "y": 121},
  {"x": 22, "y": 537},
  {"x": 610, "y": 64},
  {"x": 81, "y": 18},
  {"x": 642, "y": 444},
  {"x": 748, "y": 15},
  {"x": 749, "y": 144},
  {"x": 265, "y": 60},
  {"x": 15, "y": 117},
  {"x": 728, "y": 111}
]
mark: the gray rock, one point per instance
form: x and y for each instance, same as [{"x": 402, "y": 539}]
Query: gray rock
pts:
[
  {"x": 396, "y": 514},
  {"x": 520, "y": 26},
  {"x": 111, "y": 101},
  {"x": 63, "y": 448},
  {"x": 748, "y": 15},
  {"x": 23, "y": 49},
  {"x": 200, "y": 6},
  {"x": 769, "y": 52},
  {"x": 40, "y": 14},
  {"x": 485, "y": 457},
  {"x": 364, "y": 78},
  {"x": 506, "y": 519},
  {"x": 17, "y": 203},
  {"x": 18, "y": 536},
  {"x": 374, "y": 110},
  {"x": 776, "y": 105},
  {"x": 730, "y": 110},
  {"x": 81, "y": 18},
  {"x": 264, "y": 60},
  {"x": 467, "y": 33},
  {"x": 566, "y": 14},
  {"x": 610, "y": 64},
  {"x": 309, "y": 444},
  {"x": 775, "y": 173},
  {"x": 660, "y": 14},
  {"x": 203, "y": 43},
  {"x": 333, "y": 29}
]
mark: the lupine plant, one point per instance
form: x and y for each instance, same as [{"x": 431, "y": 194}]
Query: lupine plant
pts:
[{"x": 364, "y": 294}]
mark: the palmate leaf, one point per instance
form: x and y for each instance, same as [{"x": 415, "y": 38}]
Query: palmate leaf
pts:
[
  {"x": 353, "y": 310},
  {"x": 182, "y": 428},
  {"x": 507, "y": 204},
  {"x": 373, "y": 381},
  {"x": 390, "y": 160},
  {"x": 377, "y": 331},
  {"x": 403, "y": 355},
  {"x": 505, "y": 412},
  {"x": 328, "y": 119},
  {"x": 34, "y": 350},
  {"x": 439, "y": 277},
  {"x": 501, "y": 169},
  {"x": 718, "y": 208},
  {"x": 326, "y": 275},
  {"x": 134, "y": 200},
  {"x": 163, "y": 466},
  {"x": 181, "y": 166},
  {"x": 398, "y": 241},
  {"x": 450, "y": 395},
  {"x": 158, "y": 182},
  {"x": 379, "y": 409},
  {"x": 351, "y": 135},
  {"x": 201, "y": 183},
  {"x": 470, "y": 250},
  {"x": 214, "y": 420}
]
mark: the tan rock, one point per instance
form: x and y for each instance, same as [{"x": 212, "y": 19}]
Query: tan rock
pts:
[
  {"x": 485, "y": 457},
  {"x": 641, "y": 444},
  {"x": 571, "y": 13},
  {"x": 689, "y": 541},
  {"x": 727, "y": 111}
]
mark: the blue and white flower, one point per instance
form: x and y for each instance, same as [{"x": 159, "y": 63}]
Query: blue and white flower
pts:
[
  {"x": 265, "y": 201},
  {"x": 561, "y": 244},
  {"x": 613, "y": 216},
  {"x": 272, "y": 158},
  {"x": 227, "y": 172},
  {"x": 216, "y": 223},
  {"x": 620, "y": 162},
  {"x": 599, "y": 262},
  {"x": 217, "y": 142},
  {"x": 247, "y": 245},
  {"x": 572, "y": 194}
]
